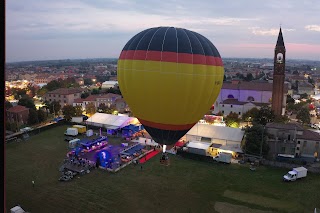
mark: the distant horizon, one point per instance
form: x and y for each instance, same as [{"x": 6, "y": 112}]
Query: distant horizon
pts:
[
  {"x": 49, "y": 30},
  {"x": 65, "y": 59}
]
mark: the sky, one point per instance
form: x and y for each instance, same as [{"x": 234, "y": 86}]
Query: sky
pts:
[{"x": 79, "y": 29}]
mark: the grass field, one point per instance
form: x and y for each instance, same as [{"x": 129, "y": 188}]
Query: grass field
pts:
[{"x": 184, "y": 186}]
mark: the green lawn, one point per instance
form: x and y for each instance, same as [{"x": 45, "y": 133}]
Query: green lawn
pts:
[{"x": 184, "y": 186}]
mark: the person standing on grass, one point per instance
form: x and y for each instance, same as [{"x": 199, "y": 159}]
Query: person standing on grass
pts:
[{"x": 33, "y": 184}]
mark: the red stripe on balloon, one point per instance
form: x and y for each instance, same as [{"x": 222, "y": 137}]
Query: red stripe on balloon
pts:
[
  {"x": 166, "y": 126},
  {"x": 170, "y": 57}
]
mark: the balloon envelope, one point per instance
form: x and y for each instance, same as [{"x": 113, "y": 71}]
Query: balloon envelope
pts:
[{"x": 170, "y": 77}]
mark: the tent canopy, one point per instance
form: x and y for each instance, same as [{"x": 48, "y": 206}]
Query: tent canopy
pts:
[
  {"x": 109, "y": 121},
  {"x": 217, "y": 132},
  {"x": 198, "y": 145}
]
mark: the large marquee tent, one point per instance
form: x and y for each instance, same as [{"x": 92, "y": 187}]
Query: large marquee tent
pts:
[{"x": 108, "y": 121}]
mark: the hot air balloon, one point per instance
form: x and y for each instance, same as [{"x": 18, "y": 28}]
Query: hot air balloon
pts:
[{"x": 169, "y": 77}]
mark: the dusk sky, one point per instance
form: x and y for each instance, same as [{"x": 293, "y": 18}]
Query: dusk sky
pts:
[{"x": 46, "y": 29}]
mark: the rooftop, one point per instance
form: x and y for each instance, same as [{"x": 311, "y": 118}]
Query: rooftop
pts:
[
  {"x": 17, "y": 108},
  {"x": 257, "y": 86},
  {"x": 65, "y": 91},
  {"x": 288, "y": 126}
]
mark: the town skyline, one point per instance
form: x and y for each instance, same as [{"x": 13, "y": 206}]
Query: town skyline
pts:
[{"x": 42, "y": 30}]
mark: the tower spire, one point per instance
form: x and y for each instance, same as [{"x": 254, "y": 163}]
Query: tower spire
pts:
[{"x": 280, "y": 39}]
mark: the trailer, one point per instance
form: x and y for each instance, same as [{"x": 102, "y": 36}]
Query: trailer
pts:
[
  {"x": 223, "y": 157},
  {"x": 295, "y": 173},
  {"x": 77, "y": 119},
  {"x": 71, "y": 132},
  {"x": 81, "y": 128}
]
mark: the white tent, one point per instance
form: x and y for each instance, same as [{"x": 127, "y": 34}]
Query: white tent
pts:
[
  {"x": 215, "y": 134},
  {"x": 108, "y": 121}
]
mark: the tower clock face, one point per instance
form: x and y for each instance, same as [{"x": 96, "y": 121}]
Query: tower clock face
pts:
[{"x": 279, "y": 58}]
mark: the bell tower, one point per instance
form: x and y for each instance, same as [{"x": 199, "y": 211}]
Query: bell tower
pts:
[{"x": 278, "y": 77}]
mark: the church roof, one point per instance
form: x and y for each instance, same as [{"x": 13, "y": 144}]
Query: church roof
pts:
[{"x": 280, "y": 41}]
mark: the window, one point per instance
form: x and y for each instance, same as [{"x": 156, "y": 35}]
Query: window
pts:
[
  {"x": 222, "y": 105},
  {"x": 49, "y": 95},
  {"x": 239, "y": 113},
  {"x": 59, "y": 96},
  {"x": 50, "y": 99},
  {"x": 222, "y": 111},
  {"x": 231, "y": 106},
  {"x": 64, "y": 96},
  {"x": 298, "y": 148},
  {"x": 298, "y": 142},
  {"x": 230, "y": 96},
  {"x": 304, "y": 143},
  {"x": 250, "y": 99}
]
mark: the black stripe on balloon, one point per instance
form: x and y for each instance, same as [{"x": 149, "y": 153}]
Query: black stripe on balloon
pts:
[
  {"x": 168, "y": 38},
  {"x": 168, "y": 137}
]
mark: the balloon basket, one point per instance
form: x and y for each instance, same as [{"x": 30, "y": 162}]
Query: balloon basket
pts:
[{"x": 164, "y": 160}]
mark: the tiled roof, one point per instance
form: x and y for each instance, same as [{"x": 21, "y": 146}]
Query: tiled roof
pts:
[
  {"x": 78, "y": 100},
  {"x": 65, "y": 91},
  {"x": 309, "y": 135},
  {"x": 288, "y": 126},
  {"x": 17, "y": 108},
  {"x": 244, "y": 85}
]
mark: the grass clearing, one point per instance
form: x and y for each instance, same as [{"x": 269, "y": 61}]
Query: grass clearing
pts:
[{"x": 184, "y": 186}]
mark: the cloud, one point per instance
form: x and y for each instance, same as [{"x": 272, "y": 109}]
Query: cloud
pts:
[
  {"x": 267, "y": 32},
  {"x": 313, "y": 28}
]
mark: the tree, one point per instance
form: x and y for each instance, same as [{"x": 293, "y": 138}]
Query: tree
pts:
[
  {"x": 54, "y": 106},
  {"x": 42, "y": 116},
  {"x": 78, "y": 110},
  {"x": 68, "y": 112},
  {"x": 295, "y": 72},
  {"x": 8, "y": 105},
  {"x": 232, "y": 120},
  {"x": 27, "y": 102},
  {"x": 303, "y": 115},
  {"x": 85, "y": 95},
  {"x": 249, "y": 77},
  {"x": 87, "y": 81},
  {"x": 304, "y": 95},
  {"x": 95, "y": 91},
  {"x": 103, "y": 108},
  {"x": 254, "y": 136},
  {"x": 42, "y": 91},
  {"x": 33, "y": 117},
  {"x": 114, "y": 90},
  {"x": 265, "y": 115},
  {"x": 90, "y": 108},
  {"x": 282, "y": 119},
  {"x": 53, "y": 85},
  {"x": 290, "y": 99},
  {"x": 250, "y": 114}
]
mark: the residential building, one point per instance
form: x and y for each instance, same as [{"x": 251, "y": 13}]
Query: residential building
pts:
[
  {"x": 292, "y": 139},
  {"x": 107, "y": 99},
  {"x": 305, "y": 87},
  {"x": 65, "y": 96},
  {"x": 18, "y": 114},
  {"x": 121, "y": 105}
]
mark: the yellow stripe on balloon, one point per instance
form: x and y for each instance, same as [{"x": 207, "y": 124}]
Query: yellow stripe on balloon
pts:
[{"x": 196, "y": 85}]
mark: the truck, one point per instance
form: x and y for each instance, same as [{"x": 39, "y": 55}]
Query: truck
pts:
[
  {"x": 77, "y": 119},
  {"x": 223, "y": 157},
  {"x": 71, "y": 132},
  {"x": 295, "y": 173},
  {"x": 81, "y": 129}
]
